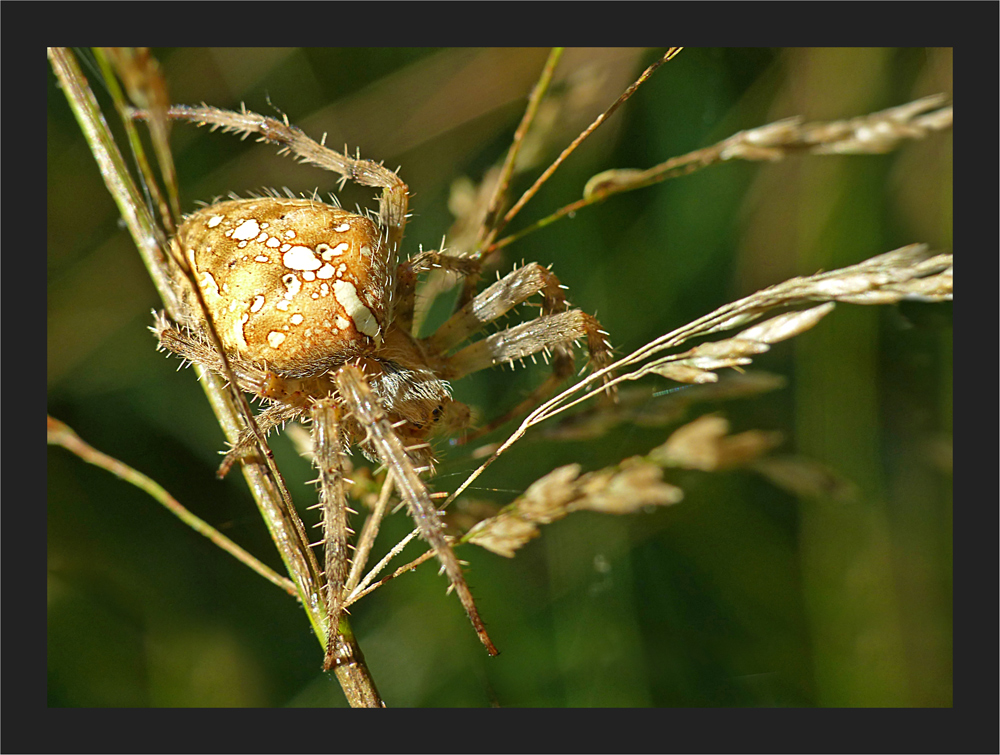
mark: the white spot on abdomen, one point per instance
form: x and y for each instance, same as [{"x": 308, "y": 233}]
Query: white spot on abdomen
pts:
[
  {"x": 363, "y": 319},
  {"x": 340, "y": 249},
  {"x": 248, "y": 229},
  {"x": 292, "y": 284},
  {"x": 208, "y": 285},
  {"x": 238, "y": 331},
  {"x": 301, "y": 258}
]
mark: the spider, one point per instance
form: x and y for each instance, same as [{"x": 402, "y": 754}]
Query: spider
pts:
[{"x": 314, "y": 310}]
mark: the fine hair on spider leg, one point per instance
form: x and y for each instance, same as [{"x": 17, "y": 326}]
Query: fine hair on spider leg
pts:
[{"x": 315, "y": 314}]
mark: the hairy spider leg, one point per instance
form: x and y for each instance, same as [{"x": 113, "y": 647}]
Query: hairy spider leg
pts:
[
  {"x": 555, "y": 331},
  {"x": 362, "y": 404},
  {"x": 329, "y": 442},
  {"x": 406, "y": 281}
]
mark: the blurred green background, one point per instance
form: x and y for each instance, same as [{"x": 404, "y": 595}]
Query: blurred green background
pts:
[{"x": 741, "y": 595}]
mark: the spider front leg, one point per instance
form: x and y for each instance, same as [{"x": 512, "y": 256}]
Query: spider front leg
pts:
[
  {"x": 361, "y": 403},
  {"x": 553, "y": 332},
  {"x": 328, "y": 456},
  {"x": 545, "y": 333},
  {"x": 406, "y": 281},
  {"x": 495, "y": 301}
]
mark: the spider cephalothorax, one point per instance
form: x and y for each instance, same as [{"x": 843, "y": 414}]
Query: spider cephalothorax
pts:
[{"x": 314, "y": 313}]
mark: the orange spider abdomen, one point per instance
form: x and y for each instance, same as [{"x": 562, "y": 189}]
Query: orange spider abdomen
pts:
[{"x": 295, "y": 284}]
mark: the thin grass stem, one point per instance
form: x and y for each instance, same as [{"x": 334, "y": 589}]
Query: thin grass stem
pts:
[
  {"x": 61, "y": 434},
  {"x": 533, "y": 189}
]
